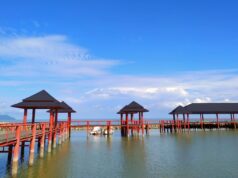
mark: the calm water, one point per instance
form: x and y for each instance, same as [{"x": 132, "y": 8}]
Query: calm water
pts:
[{"x": 197, "y": 154}]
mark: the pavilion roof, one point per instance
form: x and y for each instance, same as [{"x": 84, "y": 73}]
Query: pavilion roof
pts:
[
  {"x": 208, "y": 108},
  {"x": 179, "y": 110},
  {"x": 133, "y": 107},
  {"x": 65, "y": 108},
  {"x": 40, "y": 100}
]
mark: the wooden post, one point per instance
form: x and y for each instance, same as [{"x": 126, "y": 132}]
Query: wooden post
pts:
[
  {"x": 32, "y": 145},
  {"x": 127, "y": 125},
  {"x": 9, "y": 156},
  {"x": 55, "y": 129},
  {"x": 218, "y": 125},
  {"x": 176, "y": 123},
  {"x": 69, "y": 123},
  {"x": 142, "y": 123},
  {"x": 234, "y": 120},
  {"x": 132, "y": 124},
  {"x": 60, "y": 133},
  {"x": 33, "y": 115},
  {"x": 50, "y": 131},
  {"x": 42, "y": 141},
  {"x": 16, "y": 151},
  {"x": 25, "y": 116},
  {"x": 87, "y": 126},
  {"x": 188, "y": 121},
  {"x": 64, "y": 132},
  {"x": 184, "y": 122},
  {"x": 201, "y": 124},
  {"x": 121, "y": 119}
]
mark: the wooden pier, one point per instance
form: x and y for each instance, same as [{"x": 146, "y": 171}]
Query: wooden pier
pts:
[{"x": 14, "y": 136}]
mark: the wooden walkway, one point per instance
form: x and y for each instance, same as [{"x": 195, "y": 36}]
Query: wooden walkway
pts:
[{"x": 14, "y": 135}]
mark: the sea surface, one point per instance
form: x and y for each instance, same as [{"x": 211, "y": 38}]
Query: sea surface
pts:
[{"x": 182, "y": 155}]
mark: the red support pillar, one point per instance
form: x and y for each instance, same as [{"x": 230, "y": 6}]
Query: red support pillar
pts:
[
  {"x": 127, "y": 124},
  {"x": 16, "y": 151},
  {"x": 188, "y": 121},
  {"x": 87, "y": 126},
  {"x": 33, "y": 115},
  {"x": 50, "y": 131},
  {"x": 69, "y": 124},
  {"x": 42, "y": 141},
  {"x": 25, "y": 116},
  {"x": 184, "y": 122},
  {"x": 201, "y": 123},
  {"x": 142, "y": 122},
  {"x": 55, "y": 128},
  {"x": 234, "y": 121},
  {"x": 176, "y": 123},
  {"x": 122, "y": 128},
  {"x": 218, "y": 124},
  {"x": 32, "y": 145},
  {"x": 132, "y": 124},
  {"x": 60, "y": 133}
]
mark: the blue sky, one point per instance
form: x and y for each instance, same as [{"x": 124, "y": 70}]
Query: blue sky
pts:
[{"x": 100, "y": 55}]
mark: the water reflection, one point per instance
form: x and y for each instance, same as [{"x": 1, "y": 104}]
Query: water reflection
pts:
[{"x": 166, "y": 155}]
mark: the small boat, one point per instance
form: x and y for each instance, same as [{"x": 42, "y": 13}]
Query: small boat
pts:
[
  {"x": 105, "y": 132},
  {"x": 96, "y": 131}
]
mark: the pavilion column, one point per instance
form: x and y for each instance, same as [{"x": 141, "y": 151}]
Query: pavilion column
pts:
[
  {"x": 127, "y": 125},
  {"x": 50, "y": 131},
  {"x": 16, "y": 151},
  {"x": 142, "y": 123},
  {"x": 69, "y": 124},
  {"x": 122, "y": 128},
  {"x": 234, "y": 120},
  {"x": 33, "y": 115},
  {"x": 201, "y": 121},
  {"x": 24, "y": 122},
  {"x": 132, "y": 123},
  {"x": 176, "y": 122},
  {"x": 218, "y": 125},
  {"x": 32, "y": 145},
  {"x": 184, "y": 122},
  {"x": 55, "y": 129},
  {"x": 188, "y": 121},
  {"x": 42, "y": 142},
  {"x": 25, "y": 116}
]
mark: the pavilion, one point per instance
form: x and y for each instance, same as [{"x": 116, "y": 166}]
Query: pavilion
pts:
[
  {"x": 65, "y": 109},
  {"x": 131, "y": 109},
  {"x": 40, "y": 100},
  {"x": 206, "y": 108}
]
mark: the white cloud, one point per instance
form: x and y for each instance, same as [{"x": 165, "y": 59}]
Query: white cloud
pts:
[
  {"x": 52, "y": 55},
  {"x": 87, "y": 83}
]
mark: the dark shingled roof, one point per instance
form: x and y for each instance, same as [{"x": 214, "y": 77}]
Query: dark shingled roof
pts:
[
  {"x": 40, "y": 100},
  {"x": 133, "y": 107},
  {"x": 209, "y": 108},
  {"x": 65, "y": 108},
  {"x": 179, "y": 110}
]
